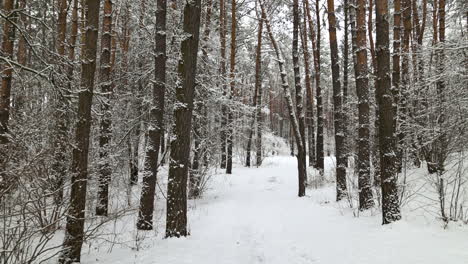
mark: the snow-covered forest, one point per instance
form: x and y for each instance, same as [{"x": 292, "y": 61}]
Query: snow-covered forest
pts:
[{"x": 234, "y": 131}]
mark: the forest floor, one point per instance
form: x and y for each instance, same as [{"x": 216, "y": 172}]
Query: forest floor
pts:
[{"x": 255, "y": 216}]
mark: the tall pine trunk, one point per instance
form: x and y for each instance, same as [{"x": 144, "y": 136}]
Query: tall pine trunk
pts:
[
  {"x": 105, "y": 136},
  {"x": 224, "y": 117},
  {"x": 362, "y": 89},
  {"x": 76, "y": 211},
  {"x": 258, "y": 91},
  {"x": 309, "y": 92},
  {"x": 232, "y": 95},
  {"x": 301, "y": 154},
  {"x": 390, "y": 203},
  {"x": 156, "y": 128},
  {"x": 337, "y": 103},
  {"x": 8, "y": 39},
  {"x": 200, "y": 118},
  {"x": 176, "y": 219}
]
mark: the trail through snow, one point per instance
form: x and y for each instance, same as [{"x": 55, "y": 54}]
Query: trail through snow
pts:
[{"x": 255, "y": 216}]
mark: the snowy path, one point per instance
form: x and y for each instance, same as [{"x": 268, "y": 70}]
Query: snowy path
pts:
[{"x": 254, "y": 216}]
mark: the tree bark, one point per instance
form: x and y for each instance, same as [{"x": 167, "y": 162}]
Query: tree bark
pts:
[
  {"x": 8, "y": 40},
  {"x": 201, "y": 125},
  {"x": 76, "y": 212},
  {"x": 362, "y": 89},
  {"x": 156, "y": 128},
  {"x": 106, "y": 83},
  {"x": 232, "y": 95},
  {"x": 222, "y": 32},
  {"x": 309, "y": 92},
  {"x": 337, "y": 103},
  {"x": 176, "y": 219},
  {"x": 316, "y": 37},
  {"x": 390, "y": 203},
  {"x": 301, "y": 154}
]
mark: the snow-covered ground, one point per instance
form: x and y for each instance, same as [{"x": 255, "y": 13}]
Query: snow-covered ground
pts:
[{"x": 255, "y": 216}]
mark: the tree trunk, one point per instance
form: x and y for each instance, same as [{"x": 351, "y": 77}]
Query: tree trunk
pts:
[
  {"x": 309, "y": 92},
  {"x": 8, "y": 39},
  {"x": 346, "y": 113},
  {"x": 390, "y": 203},
  {"x": 337, "y": 103},
  {"x": 232, "y": 95},
  {"x": 249, "y": 140},
  {"x": 258, "y": 90},
  {"x": 302, "y": 169},
  {"x": 301, "y": 154},
  {"x": 105, "y": 78},
  {"x": 222, "y": 32},
  {"x": 176, "y": 220},
  {"x": 404, "y": 87},
  {"x": 200, "y": 119},
  {"x": 76, "y": 212},
  {"x": 156, "y": 128},
  {"x": 362, "y": 89}
]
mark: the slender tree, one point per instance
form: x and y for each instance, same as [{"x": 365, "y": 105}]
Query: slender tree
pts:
[
  {"x": 316, "y": 40},
  {"x": 76, "y": 212},
  {"x": 222, "y": 38},
  {"x": 301, "y": 154},
  {"x": 176, "y": 219},
  {"x": 232, "y": 83},
  {"x": 337, "y": 103},
  {"x": 145, "y": 214},
  {"x": 200, "y": 118},
  {"x": 390, "y": 203},
  {"x": 259, "y": 91},
  {"x": 301, "y": 166},
  {"x": 309, "y": 92},
  {"x": 105, "y": 80}
]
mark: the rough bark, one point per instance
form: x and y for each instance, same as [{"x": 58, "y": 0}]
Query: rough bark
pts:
[
  {"x": 76, "y": 212},
  {"x": 176, "y": 219},
  {"x": 156, "y": 128},
  {"x": 105, "y": 135},
  {"x": 362, "y": 89},
  {"x": 390, "y": 203},
  {"x": 337, "y": 104}
]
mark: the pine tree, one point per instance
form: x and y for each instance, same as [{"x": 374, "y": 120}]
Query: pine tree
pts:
[
  {"x": 76, "y": 213},
  {"x": 106, "y": 83},
  {"x": 362, "y": 88},
  {"x": 156, "y": 128},
  {"x": 176, "y": 219},
  {"x": 337, "y": 104},
  {"x": 390, "y": 203}
]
